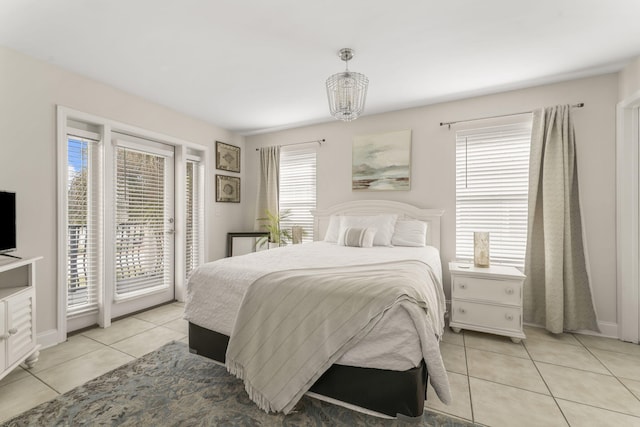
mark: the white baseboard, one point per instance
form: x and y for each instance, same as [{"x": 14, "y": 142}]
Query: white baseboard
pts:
[
  {"x": 47, "y": 339},
  {"x": 607, "y": 329}
]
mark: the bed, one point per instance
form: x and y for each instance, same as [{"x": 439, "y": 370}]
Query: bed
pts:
[{"x": 384, "y": 372}]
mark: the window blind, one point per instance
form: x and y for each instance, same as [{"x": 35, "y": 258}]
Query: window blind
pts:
[
  {"x": 492, "y": 178},
  {"x": 142, "y": 241},
  {"x": 195, "y": 215},
  {"x": 298, "y": 188},
  {"x": 83, "y": 225}
]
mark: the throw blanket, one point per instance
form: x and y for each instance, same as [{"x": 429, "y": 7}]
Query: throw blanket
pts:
[{"x": 293, "y": 325}]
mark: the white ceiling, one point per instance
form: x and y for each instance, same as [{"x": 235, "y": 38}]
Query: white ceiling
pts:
[{"x": 257, "y": 65}]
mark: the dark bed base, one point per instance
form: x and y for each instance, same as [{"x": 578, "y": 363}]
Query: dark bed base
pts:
[{"x": 387, "y": 392}]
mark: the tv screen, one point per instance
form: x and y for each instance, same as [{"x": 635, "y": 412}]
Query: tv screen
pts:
[{"x": 7, "y": 221}]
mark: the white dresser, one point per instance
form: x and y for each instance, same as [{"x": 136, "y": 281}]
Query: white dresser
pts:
[
  {"x": 487, "y": 299},
  {"x": 17, "y": 314}
]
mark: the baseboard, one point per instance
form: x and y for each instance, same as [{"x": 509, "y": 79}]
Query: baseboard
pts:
[
  {"x": 47, "y": 339},
  {"x": 607, "y": 329}
]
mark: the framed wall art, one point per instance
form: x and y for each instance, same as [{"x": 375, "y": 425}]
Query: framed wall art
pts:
[
  {"x": 227, "y": 189},
  {"x": 382, "y": 161},
  {"x": 227, "y": 157}
]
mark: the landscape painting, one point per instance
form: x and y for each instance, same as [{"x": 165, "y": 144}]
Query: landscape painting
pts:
[{"x": 382, "y": 161}]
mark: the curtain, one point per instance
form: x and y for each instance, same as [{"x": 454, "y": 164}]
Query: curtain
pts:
[
  {"x": 268, "y": 184},
  {"x": 557, "y": 293}
]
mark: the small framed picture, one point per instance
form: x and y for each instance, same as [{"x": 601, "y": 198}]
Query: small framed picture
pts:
[
  {"x": 227, "y": 189},
  {"x": 227, "y": 157}
]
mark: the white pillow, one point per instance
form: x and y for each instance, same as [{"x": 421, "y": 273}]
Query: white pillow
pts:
[
  {"x": 410, "y": 233},
  {"x": 333, "y": 229},
  {"x": 357, "y": 237},
  {"x": 383, "y": 223}
]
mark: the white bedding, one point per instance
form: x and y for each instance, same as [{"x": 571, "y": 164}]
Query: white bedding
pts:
[{"x": 215, "y": 291}]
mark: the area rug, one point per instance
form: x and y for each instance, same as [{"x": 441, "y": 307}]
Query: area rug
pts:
[{"x": 171, "y": 387}]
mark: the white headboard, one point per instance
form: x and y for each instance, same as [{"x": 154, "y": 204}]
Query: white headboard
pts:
[{"x": 373, "y": 207}]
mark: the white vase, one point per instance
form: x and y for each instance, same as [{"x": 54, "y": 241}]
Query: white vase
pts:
[
  {"x": 481, "y": 249},
  {"x": 273, "y": 245}
]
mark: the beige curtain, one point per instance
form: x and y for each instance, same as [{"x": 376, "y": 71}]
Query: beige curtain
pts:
[
  {"x": 557, "y": 293},
  {"x": 268, "y": 184}
]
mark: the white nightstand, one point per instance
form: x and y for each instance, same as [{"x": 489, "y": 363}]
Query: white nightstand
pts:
[{"x": 487, "y": 299}]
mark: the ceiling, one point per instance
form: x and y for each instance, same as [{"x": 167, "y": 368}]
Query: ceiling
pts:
[{"x": 253, "y": 66}]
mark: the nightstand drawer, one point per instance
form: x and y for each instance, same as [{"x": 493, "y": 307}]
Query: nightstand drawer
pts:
[
  {"x": 491, "y": 316},
  {"x": 498, "y": 291}
]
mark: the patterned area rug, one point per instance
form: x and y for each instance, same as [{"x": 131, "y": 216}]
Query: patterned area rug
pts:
[{"x": 171, "y": 387}]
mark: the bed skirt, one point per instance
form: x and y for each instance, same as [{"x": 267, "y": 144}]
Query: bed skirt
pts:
[{"x": 384, "y": 391}]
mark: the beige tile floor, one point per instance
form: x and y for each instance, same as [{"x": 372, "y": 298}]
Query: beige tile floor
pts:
[{"x": 547, "y": 380}]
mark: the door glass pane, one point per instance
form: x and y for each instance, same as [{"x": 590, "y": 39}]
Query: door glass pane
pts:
[
  {"x": 193, "y": 220},
  {"x": 144, "y": 223},
  {"x": 82, "y": 226}
]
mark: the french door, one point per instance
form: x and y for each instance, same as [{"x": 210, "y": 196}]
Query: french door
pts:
[{"x": 143, "y": 225}]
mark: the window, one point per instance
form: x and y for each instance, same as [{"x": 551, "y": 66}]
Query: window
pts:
[
  {"x": 195, "y": 213},
  {"x": 83, "y": 237},
  {"x": 298, "y": 188},
  {"x": 492, "y": 178}
]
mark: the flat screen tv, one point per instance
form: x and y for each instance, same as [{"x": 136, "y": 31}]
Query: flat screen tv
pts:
[{"x": 7, "y": 221}]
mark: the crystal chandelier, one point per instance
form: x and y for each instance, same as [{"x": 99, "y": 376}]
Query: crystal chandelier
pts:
[{"x": 347, "y": 91}]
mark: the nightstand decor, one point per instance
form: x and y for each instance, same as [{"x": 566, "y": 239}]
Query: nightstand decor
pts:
[
  {"x": 487, "y": 299},
  {"x": 481, "y": 248}
]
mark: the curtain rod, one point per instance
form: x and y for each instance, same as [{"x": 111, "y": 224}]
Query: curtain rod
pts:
[
  {"x": 578, "y": 105},
  {"x": 318, "y": 141}
]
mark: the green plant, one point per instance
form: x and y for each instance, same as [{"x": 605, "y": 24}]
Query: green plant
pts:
[{"x": 271, "y": 224}]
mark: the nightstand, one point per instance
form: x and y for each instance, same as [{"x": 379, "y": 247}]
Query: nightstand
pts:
[{"x": 487, "y": 299}]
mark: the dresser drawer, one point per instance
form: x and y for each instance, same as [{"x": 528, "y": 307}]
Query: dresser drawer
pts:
[
  {"x": 490, "y": 316},
  {"x": 498, "y": 291}
]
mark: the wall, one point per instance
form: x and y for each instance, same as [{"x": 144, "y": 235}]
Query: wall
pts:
[
  {"x": 629, "y": 80},
  {"x": 30, "y": 90},
  {"x": 433, "y": 170}
]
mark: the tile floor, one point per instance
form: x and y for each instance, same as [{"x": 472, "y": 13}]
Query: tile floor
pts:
[{"x": 547, "y": 380}]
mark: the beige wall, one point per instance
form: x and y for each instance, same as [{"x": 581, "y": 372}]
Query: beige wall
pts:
[
  {"x": 433, "y": 157},
  {"x": 29, "y": 92},
  {"x": 629, "y": 80}
]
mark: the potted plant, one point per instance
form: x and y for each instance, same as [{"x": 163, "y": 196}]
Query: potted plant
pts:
[{"x": 278, "y": 236}]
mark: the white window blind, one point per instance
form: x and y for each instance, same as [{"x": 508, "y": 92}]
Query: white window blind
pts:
[
  {"x": 142, "y": 212},
  {"x": 195, "y": 215},
  {"x": 492, "y": 178},
  {"x": 83, "y": 224},
  {"x": 298, "y": 188}
]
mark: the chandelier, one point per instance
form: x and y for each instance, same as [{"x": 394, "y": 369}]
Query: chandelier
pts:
[{"x": 347, "y": 91}]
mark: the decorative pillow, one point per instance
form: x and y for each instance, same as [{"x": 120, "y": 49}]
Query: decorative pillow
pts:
[
  {"x": 410, "y": 233},
  {"x": 357, "y": 237},
  {"x": 384, "y": 224},
  {"x": 333, "y": 229}
]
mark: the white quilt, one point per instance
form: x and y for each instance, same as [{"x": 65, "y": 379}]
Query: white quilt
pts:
[{"x": 215, "y": 291}]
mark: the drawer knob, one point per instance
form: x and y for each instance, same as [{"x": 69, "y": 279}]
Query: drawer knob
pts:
[
  {"x": 509, "y": 291},
  {"x": 4, "y": 337},
  {"x": 12, "y": 331},
  {"x": 463, "y": 286},
  {"x": 462, "y": 310},
  {"x": 508, "y": 316}
]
